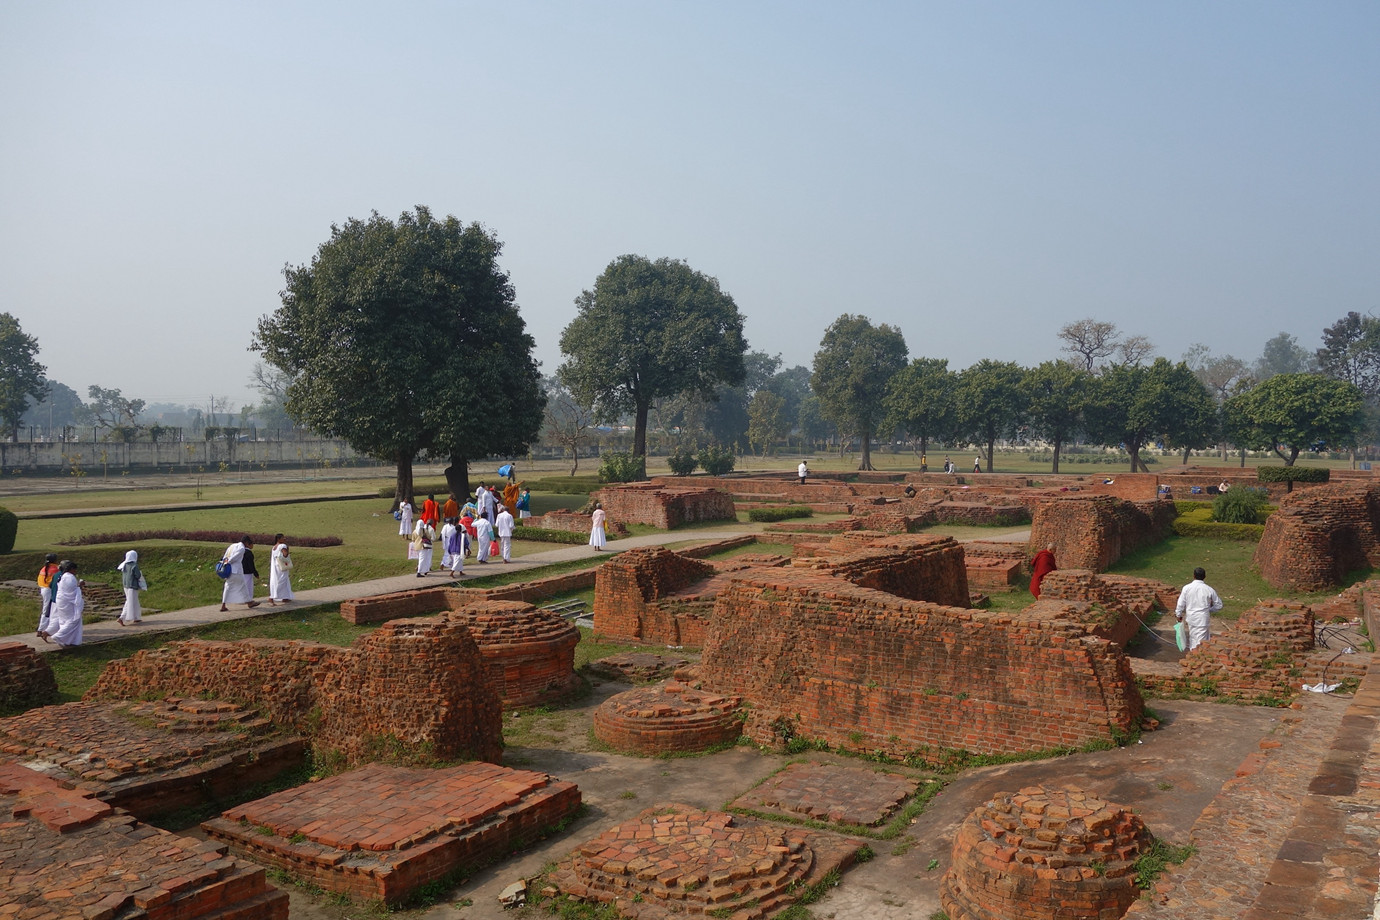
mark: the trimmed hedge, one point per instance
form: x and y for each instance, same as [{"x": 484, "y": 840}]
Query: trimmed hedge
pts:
[
  {"x": 784, "y": 513},
  {"x": 194, "y": 536},
  {"x": 565, "y": 485},
  {"x": 1198, "y": 522},
  {"x": 681, "y": 461},
  {"x": 9, "y": 529},
  {"x": 716, "y": 460},
  {"x": 1292, "y": 474},
  {"x": 544, "y": 535}
]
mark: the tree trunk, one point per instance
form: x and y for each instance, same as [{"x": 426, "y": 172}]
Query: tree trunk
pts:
[
  {"x": 991, "y": 451},
  {"x": 576, "y": 465},
  {"x": 924, "y": 452},
  {"x": 1058, "y": 444},
  {"x": 1243, "y": 458},
  {"x": 1186, "y": 456},
  {"x": 403, "y": 489},
  {"x": 458, "y": 477},
  {"x": 640, "y": 431},
  {"x": 866, "y": 464}
]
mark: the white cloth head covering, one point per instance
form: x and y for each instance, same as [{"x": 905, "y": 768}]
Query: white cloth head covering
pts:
[{"x": 131, "y": 557}]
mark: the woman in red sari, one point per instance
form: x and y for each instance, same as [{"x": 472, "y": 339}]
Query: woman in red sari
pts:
[{"x": 1040, "y": 566}]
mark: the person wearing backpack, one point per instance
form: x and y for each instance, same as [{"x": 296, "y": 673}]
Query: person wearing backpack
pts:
[
  {"x": 238, "y": 589},
  {"x": 45, "y": 578},
  {"x": 133, "y": 581}
]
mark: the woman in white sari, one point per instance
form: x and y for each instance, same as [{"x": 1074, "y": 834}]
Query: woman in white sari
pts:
[
  {"x": 68, "y": 606},
  {"x": 133, "y": 581},
  {"x": 280, "y": 573},
  {"x": 405, "y": 519},
  {"x": 238, "y": 589}
]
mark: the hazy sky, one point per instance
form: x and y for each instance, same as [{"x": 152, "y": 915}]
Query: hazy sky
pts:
[{"x": 977, "y": 174}]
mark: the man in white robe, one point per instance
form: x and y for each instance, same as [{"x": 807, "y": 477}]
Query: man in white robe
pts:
[
  {"x": 448, "y": 530},
  {"x": 424, "y": 534},
  {"x": 504, "y": 526},
  {"x": 237, "y": 589},
  {"x": 405, "y": 518},
  {"x": 483, "y": 538},
  {"x": 1197, "y": 603}
]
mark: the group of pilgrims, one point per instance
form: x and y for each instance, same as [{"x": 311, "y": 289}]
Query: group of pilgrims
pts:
[
  {"x": 483, "y": 526},
  {"x": 241, "y": 572}
]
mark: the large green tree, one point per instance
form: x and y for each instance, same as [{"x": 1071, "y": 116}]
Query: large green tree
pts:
[
  {"x": 852, "y": 370},
  {"x": 1283, "y": 355},
  {"x": 920, "y": 401},
  {"x": 647, "y": 331},
  {"x": 1056, "y": 393},
  {"x": 990, "y": 399},
  {"x": 404, "y": 337},
  {"x": 1351, "y": 352},
  {"x": 1133, "y": 406},
  {"x": 21, "y": 376},
  {"x": 1297, "y": 412}
]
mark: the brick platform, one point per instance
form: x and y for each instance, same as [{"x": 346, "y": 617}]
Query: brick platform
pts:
[
  {"x": 829, "y": 792},
  {"x": 679, "y": 861},
  {"x": 629, "y": 589},
  {"x": 1319, "y": 535},
  {"x": 665, "y": 507},
  {"x": 1045, "y": 855},
  {"x": 151, "y": 758},
  {"x": 1094, "y": 531},
  {"x": 26, "y": 680},
  {"x": 819, "y": 658},
  {"x": 380, "y": 832},
  {"x": 637, "y": 667},
  {"x": 64, "y": 854},
  {"x": 530, "y": 653},
  {"x": 421, "y": 683},
  {"x": 667, "y": 718}
]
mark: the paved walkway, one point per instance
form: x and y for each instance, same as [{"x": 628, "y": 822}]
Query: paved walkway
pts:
[{"x": 109, "y": 630}]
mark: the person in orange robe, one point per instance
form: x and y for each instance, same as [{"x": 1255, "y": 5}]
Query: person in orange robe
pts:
[
  {"x": 1040, "y": 566},
  {"x": 431, "y": 512}
]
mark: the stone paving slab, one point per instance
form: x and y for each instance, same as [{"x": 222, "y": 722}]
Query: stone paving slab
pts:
[
  {"x": 829, "y": 792},
  {"x": 64, "y": 854},
  {"x": 150, "y": 757},
  {"x": 381, "y": 831}
]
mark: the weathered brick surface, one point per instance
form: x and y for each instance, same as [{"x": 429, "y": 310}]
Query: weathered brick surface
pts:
[
  {"x": 1116, "y": 606},
  {"x": 667, "y": 718},
  {"x": 675, "y": 860},
  {"x": 422, "y": 682},
  {"x": 637, "y": 667},
  {"x": 1094, "y": 531},
  {"x": 833, "y": 793},
  {"x": 152, "y": 758},
  {"x": 628, "y": 589},
  {"x": 63, "y": 855},
  {"x": 817, "y": 657},
  {"x": 25, "y": 677},
  {"x": 427, "y": 601},
  {"x": 920, "y": 567},
  {"x": 570, "y": 522},
  {"x": 1044, "y": 854},
  {"x": 381, "y": 832},
  {"x": 1319, "y": 535},
  {"x": 530, "y": 653},
  {"x": 667, "y": 508}
]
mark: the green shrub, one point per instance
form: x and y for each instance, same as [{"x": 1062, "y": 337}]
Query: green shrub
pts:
[
  {"x": 681, "y": 461},
  {"x": 716, "y": 460},
  {"x": 1292, "y": 474},
  {"x": 1198, "y": 523},
  {"x": 543, "y": 535},
  {"x": 620, "y": 466},
  {"x": 9, "y": 529},
  {"x": 781, "y": 513},
  {"x": 1240, "y": 505},
  {"x": 565, "y": 485}
]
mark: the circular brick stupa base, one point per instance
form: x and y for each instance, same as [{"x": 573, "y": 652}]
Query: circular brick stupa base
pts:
[
  {"x": 679, "y": 861},
  {"x": 1044, "y": 855},
  {"x": 665, "y": 718}
]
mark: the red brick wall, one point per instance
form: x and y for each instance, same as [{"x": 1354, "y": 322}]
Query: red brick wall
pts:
[
  {"x": 627, "y": 588},
  {"x": 669, "y": 718},
  {"x": 570, "y": 522},
  {"x": 665, "y": 508},
  {"x": 920, "y": 567},
  {"x": 423, "y": 682},
  {"x": 1094, "y": 531},
  {"x": 26, "y": 680},
  {"x": 428, "y": 601},
  {"x": 530, "y": 653},
  {"x": 1319, "y": 535},
  {"x": 871, "y": 672}
]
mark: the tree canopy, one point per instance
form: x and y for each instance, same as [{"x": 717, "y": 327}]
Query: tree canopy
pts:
[
  {"x": 1283, "y": 355},
  {"x": 1056, "y": 394},
  {"x": 1298, "y": 412},
  {"x": 1137, "y": 405},
  {"x": 920, "y": 401},
  {"x": 1351, "y": 352},
  {"x": 651, "y": 330},
  {"x": 21, "y": 376},
  {"x": 852, "y": 370},
  {"x": 990, "y": 398},
  {"x": 404, "y": 337}
]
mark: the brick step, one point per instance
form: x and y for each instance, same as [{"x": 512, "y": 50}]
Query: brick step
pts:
[
  {"x": 271, "y": 904},
  {"x": 1293, "y": 833}
]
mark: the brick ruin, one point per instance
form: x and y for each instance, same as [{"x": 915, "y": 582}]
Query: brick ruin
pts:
[
  {"x": 832, "y": 793},
  {"x": 422, "y": 602},
  {"x": 152, "y": 758},
  {"x": 665, "y": 507},
  {"x": 1319, "y": 535},
  {"x": 1111, "y": 606},
  {"x": 571, "y": 522},
  {"x": 658, "y": 596},
  {"x": 819, "y": 658},
  {"x": 68, "y": 854},
  {"x": 422, "y": 682},
  {"x": 1094, "y": 531},
  {"x": 26, "y": 680},
  {"x": 381, "y": 832},
  {"x": 667, "y": 718},
  {"x": 676, "y": 860},
  {"x": 1044, "y": 854}
]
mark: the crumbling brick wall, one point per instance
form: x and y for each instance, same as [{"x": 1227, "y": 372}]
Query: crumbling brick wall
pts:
[
  {"x": 919, "y": 567},
  {"x": 1126, "y": 601},
  {"x": 530, "y": 653},
  {"x": 1094, "y": 531},
  {"x": 628, "y": 588},
  {"x": 665, "y": 508},
  {"x": 815, "y": 657},
  {"x": 26, "y": 680},
  {"x": 422, "y": 682},
  {"x": 570, "y": 522},
  {"x": 1319, "y": 535}
]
